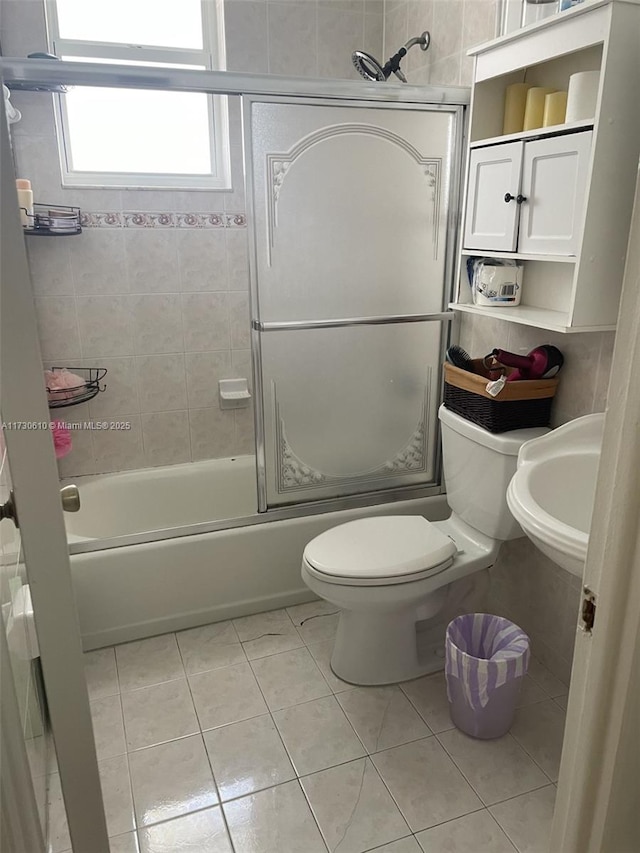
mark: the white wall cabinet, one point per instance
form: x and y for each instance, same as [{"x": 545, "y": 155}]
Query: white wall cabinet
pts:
[
  {"x": 494, "y": 182},
  {"x": 528, "y": 196},
  {"x": 552, "y": 190},
  {"x": 556, "y": 199}
]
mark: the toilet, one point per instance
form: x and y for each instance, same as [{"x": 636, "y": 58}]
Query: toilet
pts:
[{"x": 398, "y": 579}]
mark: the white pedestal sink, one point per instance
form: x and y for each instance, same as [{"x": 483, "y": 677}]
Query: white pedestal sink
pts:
[{"x": 551, "y": 494}]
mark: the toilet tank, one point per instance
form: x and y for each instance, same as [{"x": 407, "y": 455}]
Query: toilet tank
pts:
[{"x": 478, "y": 466}]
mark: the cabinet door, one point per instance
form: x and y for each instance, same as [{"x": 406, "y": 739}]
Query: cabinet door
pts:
[
  {"x": 492, "y": 213},
  {"x": 554, "y": 179}
]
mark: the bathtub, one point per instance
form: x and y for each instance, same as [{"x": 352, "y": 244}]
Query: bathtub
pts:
[{"x": 163, "y": 549}]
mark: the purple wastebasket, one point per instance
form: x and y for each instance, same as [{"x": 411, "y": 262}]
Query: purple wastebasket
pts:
[{"x": 486, "y": 659}]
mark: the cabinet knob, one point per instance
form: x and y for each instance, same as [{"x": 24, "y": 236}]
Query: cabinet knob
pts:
[
  {"x": 508, "y": 197},
  {"x": 520, "y": 199}
]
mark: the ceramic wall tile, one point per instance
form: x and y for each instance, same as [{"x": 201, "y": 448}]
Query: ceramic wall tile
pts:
[
  {"x": 212, "y": 433},
  {"x": 293, "y": 24},
  {"x": 237, "y": 258},
  {"x": 50, "y": 267},
  {"x": 157, "y": 323},
  {"x": 340, "y": 31},
  {"x": 162, "y": 385},
  {"x": 121, "y": 388},
  {"x": 106, "y": 327},
  {"x": 205, "y": 319},
  {"x": 118, "y": 449},
  {"x": 204, "y": 370},
  {"x": 58, "y": 328},
  {"x": 239, "y": 320},
  {"x": 244, "y": 432},
  {"x": 152, "y": 260},
  {"x": 202, "y": 255},
  {"x": 98, "y": 262},
  {"x": 166, "y": 438},
  {"x": 245, "y": 31}
]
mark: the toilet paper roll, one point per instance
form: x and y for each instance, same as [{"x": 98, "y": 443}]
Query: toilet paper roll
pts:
[
  {"x": 555, "y": 108},
  {"x": 583, "y": 94},
  {"x": 534, "y": 109},
  {"x": 515, "y": 99}
]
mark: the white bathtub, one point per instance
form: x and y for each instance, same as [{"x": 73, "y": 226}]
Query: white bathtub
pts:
[
  {"x": 163, "y": 498},
  {"x": 190, "y": 578}
]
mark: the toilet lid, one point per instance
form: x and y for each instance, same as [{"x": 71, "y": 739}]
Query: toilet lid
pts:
[{"x": 371, "y": 549}]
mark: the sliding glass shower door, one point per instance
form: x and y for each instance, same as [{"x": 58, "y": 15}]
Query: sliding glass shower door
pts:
[{"x": 350, "y": 213}]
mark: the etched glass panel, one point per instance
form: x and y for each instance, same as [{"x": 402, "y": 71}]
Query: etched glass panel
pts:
[
  {"x": 350, "y": 210},
  {"x": 349, "y": 410}
]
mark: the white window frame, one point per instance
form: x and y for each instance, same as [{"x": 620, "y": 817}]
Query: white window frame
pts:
[{"x": 208, "y": 58}]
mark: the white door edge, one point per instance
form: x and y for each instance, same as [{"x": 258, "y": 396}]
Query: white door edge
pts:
[
  {"x": 36, "y": 486},
  {"x": 596, "y": 807}
]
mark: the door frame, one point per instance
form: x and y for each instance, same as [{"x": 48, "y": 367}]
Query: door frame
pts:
[{"x": 36, "y": 487}]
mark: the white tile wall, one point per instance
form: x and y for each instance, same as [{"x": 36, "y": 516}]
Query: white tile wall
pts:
[
  {"x": 301, "y": 38},
  {"x": 455, "y": 25},
  {"x": 166, "y": 331},
  {"x": 165, "y": 310}
]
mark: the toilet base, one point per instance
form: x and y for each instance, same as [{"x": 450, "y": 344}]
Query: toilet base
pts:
[
  {"x": 380, "y": 651},
  {"x": 386, "y": 647}
]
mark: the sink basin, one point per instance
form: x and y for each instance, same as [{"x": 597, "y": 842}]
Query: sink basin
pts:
[{"x": 551, "y": 494}]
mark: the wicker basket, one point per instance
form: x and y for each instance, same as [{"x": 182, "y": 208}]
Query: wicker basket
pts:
[{"x": 519, "y": 405}]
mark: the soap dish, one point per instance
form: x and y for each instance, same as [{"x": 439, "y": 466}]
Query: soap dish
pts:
[{"x": 234, "y": 393}]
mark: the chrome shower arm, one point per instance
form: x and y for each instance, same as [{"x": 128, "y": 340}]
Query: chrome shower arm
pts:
[{"x": 423, "y": 40}]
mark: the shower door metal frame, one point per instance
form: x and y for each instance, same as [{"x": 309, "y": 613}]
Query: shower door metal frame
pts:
[
  {"x": 41, "y": 74},
  {"x": 451, "y": 178}
]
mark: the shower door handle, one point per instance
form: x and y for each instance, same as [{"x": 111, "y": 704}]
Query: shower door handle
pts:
[{"x": 389, "y": 320}]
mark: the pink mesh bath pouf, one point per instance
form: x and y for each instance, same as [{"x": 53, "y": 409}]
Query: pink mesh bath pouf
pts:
[{"x": 61, "y": 439}]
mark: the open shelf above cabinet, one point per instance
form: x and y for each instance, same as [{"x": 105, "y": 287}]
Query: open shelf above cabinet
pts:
[
  {"x": 529, "y": 315},
  {"x": 519, "y": 256},
  {"x": 558, "y": 200},
  {"x": 537, "y": 133}
]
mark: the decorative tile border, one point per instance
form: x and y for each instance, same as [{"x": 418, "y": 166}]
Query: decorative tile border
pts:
[{"x": 145, "y": 219}]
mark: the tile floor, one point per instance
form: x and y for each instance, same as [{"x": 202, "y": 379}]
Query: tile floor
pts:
[{"x": 238, "y": 737}]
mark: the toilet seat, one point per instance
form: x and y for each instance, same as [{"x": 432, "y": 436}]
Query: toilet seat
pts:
[{"x": 379, "y": 551}]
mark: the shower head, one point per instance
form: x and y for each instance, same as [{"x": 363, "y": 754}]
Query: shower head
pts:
[{"x": 369, "y": 67}]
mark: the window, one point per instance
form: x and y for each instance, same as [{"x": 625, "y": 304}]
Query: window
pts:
[{"x": 136, "y": 137}]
